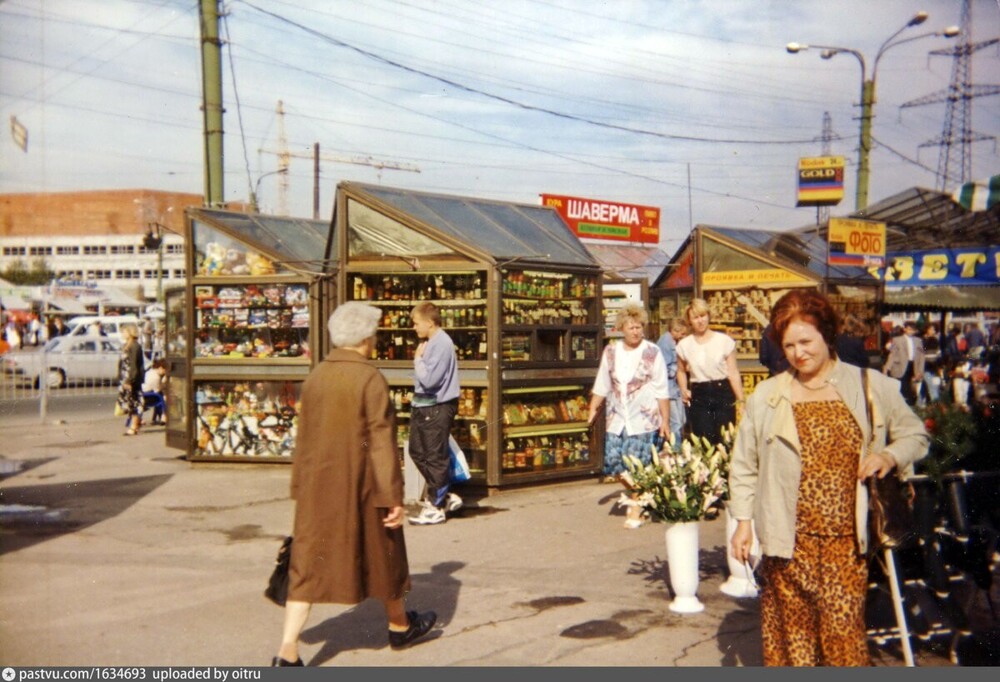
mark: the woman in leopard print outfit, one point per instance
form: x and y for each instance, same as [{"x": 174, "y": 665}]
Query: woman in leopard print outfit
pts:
[{"x": 797, "y": 474}]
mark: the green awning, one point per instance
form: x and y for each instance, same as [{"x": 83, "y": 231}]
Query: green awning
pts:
[{"x": 943, "y": 299}]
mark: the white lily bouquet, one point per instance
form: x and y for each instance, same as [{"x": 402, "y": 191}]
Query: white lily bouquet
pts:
[{"x": 683, "y": 485}]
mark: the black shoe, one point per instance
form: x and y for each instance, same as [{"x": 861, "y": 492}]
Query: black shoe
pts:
[
  {"x": 279, "y": 662},
  {"x": 420, "y": 623}
]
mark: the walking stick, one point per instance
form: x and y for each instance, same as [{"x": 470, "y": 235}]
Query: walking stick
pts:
[{"x": 897, "y": 605}]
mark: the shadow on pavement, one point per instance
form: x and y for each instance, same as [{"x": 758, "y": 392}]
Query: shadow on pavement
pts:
[
  {"x": 738, "y": 636},
  {"x": 365, "y": 627},
  {"x": 33, "y": 514}
]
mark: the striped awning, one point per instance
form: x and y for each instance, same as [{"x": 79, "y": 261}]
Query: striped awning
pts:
[{"x": 980, "y": 195}]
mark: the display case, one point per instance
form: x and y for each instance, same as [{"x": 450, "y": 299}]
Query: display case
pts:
[
  {"x": 254, "y": 309},
  {"x": 257, "y": 320},
  {"x": 246, "y": 419},
  {"x": 458, "y": 294},
  {"x": 549, "y": 317},
  {"x": 545, "y": 429}
]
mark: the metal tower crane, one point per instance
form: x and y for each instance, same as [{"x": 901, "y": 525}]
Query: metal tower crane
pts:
[{"x": 285, "y": 155}]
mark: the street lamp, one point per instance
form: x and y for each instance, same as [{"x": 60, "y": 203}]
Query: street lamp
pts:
[
  {"x": 868, "y": 91},
  {"x": 154, "y": 240},
  {"x": 256, "y": 190}
]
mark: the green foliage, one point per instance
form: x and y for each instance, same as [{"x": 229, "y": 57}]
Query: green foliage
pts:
[
  {"x": 18, "y": 273},
  {"x": 953, "y": 436}
]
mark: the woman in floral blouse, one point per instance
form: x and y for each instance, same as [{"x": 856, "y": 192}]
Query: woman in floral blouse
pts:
[{"x": 632, "y": 383}]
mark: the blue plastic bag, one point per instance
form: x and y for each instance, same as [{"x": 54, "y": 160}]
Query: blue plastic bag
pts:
[{"x": 459, "y": 466}]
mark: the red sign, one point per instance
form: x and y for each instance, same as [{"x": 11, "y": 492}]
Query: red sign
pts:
[{"x": 597, "y": 219}]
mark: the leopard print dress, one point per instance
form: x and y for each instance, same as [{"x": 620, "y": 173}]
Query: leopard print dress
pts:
[{"x": 812, "y": 605}]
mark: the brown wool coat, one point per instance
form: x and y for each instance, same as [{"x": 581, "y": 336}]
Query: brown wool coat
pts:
[{"x": 345, "y": 476}]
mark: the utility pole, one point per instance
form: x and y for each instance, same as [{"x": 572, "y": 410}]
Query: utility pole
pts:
[
  {"x": 316, "y": 181},
  {"x": 211, "y": 106}
]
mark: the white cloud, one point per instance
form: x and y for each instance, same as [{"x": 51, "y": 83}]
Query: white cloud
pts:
[{"x": 110, "y": 92}]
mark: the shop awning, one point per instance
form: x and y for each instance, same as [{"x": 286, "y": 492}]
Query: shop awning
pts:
[
  {"x": 503, "y": 231},
  {"x": 805, "y": 248},
  {"x": 297, "y": 243},
  {"x": 629, "y": 262},
  {"x": 918, "y": 219},
  {"x": 942, "y": 299}
]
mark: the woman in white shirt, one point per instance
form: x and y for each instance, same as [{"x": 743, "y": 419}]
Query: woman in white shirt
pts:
[
  {"x": 632, "y": 381},
  {"x": 707, "y": 375}
]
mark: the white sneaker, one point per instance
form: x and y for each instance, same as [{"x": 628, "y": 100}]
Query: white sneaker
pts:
[
  {"x": 452, "y": 502},
  {"x": 428, "y": 516}
]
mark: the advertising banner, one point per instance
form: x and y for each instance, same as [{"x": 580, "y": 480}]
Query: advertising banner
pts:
[
  {"x": 614, "y": 221},
  {"x": 737, "y": 278},
  {"x": 821, "y": 181},
  {"x": 856, "y": 242},
  {"x": 964, "y": 266}
]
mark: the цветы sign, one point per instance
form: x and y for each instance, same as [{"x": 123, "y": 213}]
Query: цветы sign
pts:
[
  {"x": 597, "y": 219},
  {"x": 969, "y": 265}
]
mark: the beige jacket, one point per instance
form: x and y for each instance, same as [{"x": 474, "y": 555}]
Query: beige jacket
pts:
[{"x": 766, "y": 464}]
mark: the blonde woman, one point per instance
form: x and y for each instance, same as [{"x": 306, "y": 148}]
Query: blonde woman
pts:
[
  {"x": 632, "y": 381},
  {"x": 707, "y": 375},
  {"x": 131, "y": 370}
]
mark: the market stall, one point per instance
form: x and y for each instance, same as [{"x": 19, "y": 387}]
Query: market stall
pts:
[
  {"x": 741, "y": 273},
  {"x": 519, "y": 296},
  {"x": 244, "y": 332}
]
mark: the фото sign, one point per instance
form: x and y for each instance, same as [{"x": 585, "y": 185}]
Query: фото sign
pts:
[
  {"x": 856, "y": 242},
  {"x": 614, "y": 221},
  {"x": 821, "y": 181}
]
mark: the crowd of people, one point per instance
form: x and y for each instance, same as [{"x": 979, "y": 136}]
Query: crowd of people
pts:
[
  {"x": 804, "y": 448},
  {"x": 954, "y": 367}
]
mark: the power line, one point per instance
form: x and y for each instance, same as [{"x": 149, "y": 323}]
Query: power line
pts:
[{"x": 507, "y": 100}]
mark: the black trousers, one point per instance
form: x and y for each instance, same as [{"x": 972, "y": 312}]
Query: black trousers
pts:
[
  {"x": 906, "y": 386},
  {"x": 713, "y": 406},
  {"x": 429, "y": 431}
]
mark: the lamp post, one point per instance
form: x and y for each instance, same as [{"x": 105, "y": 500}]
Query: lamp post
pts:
[
  {"x": 256, "y": 190},
  {"x": 868, "y": 92},
  {"x": 154, "y": 240}
]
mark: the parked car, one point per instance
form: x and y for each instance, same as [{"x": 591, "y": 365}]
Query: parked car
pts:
[
  {"x": 109, "y": 325},
  {"x": 67, "y": 360}
]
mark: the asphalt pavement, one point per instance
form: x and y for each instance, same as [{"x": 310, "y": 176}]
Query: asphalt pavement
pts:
[{"x": 117, "y": 551}]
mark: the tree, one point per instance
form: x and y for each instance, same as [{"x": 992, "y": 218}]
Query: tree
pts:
[{"x": 17, "y": 273}]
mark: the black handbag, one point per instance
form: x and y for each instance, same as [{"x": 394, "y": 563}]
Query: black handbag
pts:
[
  {"x": 277, "y": 584},
  {"x": 890, "y": 513}
]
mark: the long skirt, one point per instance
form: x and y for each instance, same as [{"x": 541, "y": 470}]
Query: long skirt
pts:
[{"x": 640, "y": 445}]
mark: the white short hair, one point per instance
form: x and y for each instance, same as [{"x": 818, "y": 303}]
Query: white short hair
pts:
[{"x": 353, "y": 322}]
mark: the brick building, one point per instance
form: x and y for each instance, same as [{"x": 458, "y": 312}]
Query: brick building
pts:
[{"x": 96, "y": 237}]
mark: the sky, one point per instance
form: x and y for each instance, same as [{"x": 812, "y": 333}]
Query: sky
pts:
[{"x": 694, "y": 107}]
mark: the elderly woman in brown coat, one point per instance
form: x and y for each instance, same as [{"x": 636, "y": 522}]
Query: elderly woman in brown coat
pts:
[{"x": 348, "y": 489}]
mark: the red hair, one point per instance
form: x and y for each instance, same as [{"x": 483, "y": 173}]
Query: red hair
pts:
[{"x": 810, "y": 306}]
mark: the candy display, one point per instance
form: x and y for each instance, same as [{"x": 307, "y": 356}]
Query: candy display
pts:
[
  {"x": 250, "y": 419},
  {"x": 252, "y": 321}
]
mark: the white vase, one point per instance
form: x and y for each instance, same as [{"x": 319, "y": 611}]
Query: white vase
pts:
[
  {"x": 682, "y": 561},
  {"x": 738, "y": 583}
]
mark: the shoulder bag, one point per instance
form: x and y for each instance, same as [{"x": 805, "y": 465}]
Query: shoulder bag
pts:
[
  {"x": 277, "y": 584},
  {"x": 890, "y": 516}
]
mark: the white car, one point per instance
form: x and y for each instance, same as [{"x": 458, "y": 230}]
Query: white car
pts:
[{"x": 67, "y": 360}]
